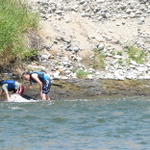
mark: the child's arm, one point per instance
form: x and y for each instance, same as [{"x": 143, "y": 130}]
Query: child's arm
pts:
[
  {"x": 35, "y": 77},
  {"x": 5, "y": 89}
]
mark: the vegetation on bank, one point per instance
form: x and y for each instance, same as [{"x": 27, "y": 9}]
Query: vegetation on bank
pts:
[
  {"x": 131, "y": 53},
  {"x": 99, "y": 60},
  {"x": 82, "y": 73},
  {"x": 15, "y": 20},
  {"x": 136, "y": 54},
  {"x": 95, "y": 59}
]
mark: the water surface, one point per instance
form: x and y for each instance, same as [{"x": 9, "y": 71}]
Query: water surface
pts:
[{"x": 106, "y": 124}]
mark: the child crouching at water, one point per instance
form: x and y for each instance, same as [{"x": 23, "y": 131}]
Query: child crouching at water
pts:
[
  {"x": 11, "y": 86},
  {"x": 42, "y": 79}
]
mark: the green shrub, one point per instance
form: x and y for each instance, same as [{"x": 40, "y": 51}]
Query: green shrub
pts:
[
  {"x": 99, "y": 60},
  {"x": 120, "y": 61},
  {"x": 15, "y": 20},
  {"x": 82, "y": 74},
  {"x": 120, "y": 53},
  {"x": 136, "y": 54}
]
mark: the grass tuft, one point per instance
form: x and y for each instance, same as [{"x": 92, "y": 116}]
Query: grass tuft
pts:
[
  {"x": 136, "y": 54},
  {"x": 99, "y": 60},
  {"x": 82, "y": 74},
  {"x": 15, "y": 20}
]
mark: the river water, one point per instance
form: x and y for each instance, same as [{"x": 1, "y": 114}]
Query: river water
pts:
[{"x": 105, "y": 124}]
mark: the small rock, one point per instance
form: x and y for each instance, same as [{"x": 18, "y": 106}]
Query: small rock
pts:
[{"x": 101, "y": 46}]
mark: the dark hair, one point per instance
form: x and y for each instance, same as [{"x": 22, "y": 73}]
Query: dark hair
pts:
[{"x": 24, "y": 73}]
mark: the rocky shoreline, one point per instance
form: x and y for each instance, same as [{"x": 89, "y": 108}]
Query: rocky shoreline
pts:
[
  {"x": 87, "y": 88},
  {"x": 94, "y": 89}
]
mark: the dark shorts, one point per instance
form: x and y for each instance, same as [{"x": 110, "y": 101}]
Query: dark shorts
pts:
[{"x": 46, "y": 86}]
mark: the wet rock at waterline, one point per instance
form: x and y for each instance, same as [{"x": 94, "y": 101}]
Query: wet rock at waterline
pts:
[{"x": 82, "y": 89}]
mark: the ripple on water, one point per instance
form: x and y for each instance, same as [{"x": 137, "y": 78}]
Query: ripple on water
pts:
[
  {"x": 30, "y": 117},
  {"x": 16, "y": 108},
  {"x": 118, "y": 113},
  {"x": 59, "y": 120},
  {"x": 101, "y": 120},
  {"x": 4, "y": 117}
]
